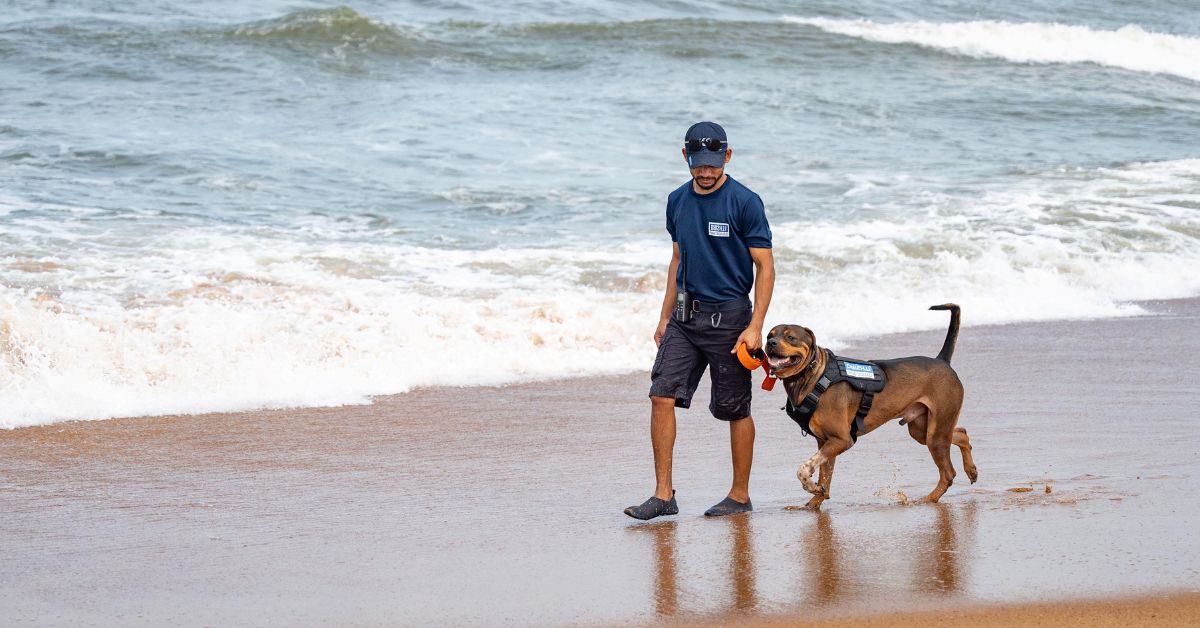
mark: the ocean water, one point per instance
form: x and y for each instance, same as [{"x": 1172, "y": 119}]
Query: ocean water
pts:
[{"x": 224, "y": 205}]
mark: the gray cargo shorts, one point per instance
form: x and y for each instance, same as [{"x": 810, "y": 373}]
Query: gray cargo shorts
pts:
[{"x": 688, "y": 348}]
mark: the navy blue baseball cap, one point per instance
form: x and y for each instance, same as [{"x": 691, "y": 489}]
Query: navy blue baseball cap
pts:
[{"x": 700, "y": 141}]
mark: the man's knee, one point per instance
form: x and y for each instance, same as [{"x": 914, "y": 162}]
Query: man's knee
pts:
[
  {"x": 662, "y": 402},
  {"x": 742, "y": 428}
]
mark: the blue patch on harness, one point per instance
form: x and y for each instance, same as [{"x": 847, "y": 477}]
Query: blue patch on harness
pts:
[{"x": 861, "y": 371}]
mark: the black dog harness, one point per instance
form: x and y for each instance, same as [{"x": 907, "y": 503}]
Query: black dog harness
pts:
[{"x": 865, "y": 377}]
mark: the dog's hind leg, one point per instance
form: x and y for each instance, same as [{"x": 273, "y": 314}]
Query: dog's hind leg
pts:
[
  {"x": 939, "y": 447},
  {"x": 964, "y": 447}
]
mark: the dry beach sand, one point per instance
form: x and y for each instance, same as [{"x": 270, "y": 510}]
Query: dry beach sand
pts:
[{"x": 483, "y": 506}]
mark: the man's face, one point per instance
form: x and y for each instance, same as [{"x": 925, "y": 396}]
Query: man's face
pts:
[{"x": 706, "y": 177}]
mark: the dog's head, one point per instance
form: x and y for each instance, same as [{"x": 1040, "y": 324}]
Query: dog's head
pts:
[{"x": 789, "y": 349}]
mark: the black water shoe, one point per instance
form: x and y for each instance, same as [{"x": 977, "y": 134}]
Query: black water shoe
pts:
[
  {"x": 653, "y": 507},
  {"x": 728, "y": 507}
]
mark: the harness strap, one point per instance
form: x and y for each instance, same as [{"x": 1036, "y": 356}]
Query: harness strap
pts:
[
  {"x": 802, "y": 414},
  {"x": 864, "y": 407},
  {"x": 813, "y": 398},
  {"x": 808, "y": 406}
]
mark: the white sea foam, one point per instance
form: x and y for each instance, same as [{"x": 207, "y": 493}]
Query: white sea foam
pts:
[
  {"x": 220, "y": 319},
  {"x": 1129, "y": 48}
]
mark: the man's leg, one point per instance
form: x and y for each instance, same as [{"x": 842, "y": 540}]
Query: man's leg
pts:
[
  {"x": 741, "y": 444},
  {"x": 674, "y": 377},
  {"x": 731, "y": 396},
  {"x": 662, "y": 438}
]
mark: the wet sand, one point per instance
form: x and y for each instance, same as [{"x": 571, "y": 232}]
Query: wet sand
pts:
[
  {"x": 1168, "y": 610},
  {"x": 483, "y": 506}
]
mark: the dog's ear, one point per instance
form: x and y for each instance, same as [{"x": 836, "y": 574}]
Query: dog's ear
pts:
[{"x": 808, "y": 349}]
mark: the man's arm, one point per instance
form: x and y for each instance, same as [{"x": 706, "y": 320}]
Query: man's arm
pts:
[
  {"x": 668, "y": 305},
  {"x": 764, "y": 286}
]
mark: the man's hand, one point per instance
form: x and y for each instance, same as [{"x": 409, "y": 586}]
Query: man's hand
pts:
[
  {"x": 658, "y": 333},
  {"x": 752, "y": 336}
]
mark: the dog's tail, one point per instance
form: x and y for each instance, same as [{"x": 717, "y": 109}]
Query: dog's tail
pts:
[{"x": 951, "y": 334}]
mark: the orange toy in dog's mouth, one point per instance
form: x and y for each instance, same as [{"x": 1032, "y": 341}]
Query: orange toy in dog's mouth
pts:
[{"x": 752, "y": 362}]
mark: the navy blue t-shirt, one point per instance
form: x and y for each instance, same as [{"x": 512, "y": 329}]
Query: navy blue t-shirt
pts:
[{"x": 715, "y": 231}]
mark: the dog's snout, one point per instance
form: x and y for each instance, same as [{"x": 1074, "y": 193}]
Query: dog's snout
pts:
[{"x": 772, "y": 342}]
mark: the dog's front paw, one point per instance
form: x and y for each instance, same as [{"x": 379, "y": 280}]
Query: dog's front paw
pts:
[{"x": 804, "y": 474}]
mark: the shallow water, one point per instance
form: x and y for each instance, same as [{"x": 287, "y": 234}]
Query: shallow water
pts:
[
  {"x": 483, "y": 506},
  {"x": 222, "y": 206}
]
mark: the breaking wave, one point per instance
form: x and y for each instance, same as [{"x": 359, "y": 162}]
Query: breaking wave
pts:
[
  {"x": 218, "y": 319},
  {"x": 340, "y": 26},
  {"x": 1128, "y": 48}
]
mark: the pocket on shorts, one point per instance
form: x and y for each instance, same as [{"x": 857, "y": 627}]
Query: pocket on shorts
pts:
[
  {"x": 731, "y": 390},
  {"x": 656, "y": 369}
]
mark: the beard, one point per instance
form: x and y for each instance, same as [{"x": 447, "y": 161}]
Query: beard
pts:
[{"x": 707, "y": 183}]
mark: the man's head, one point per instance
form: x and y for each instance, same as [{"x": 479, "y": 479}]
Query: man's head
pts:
[{"x": 706, "y": 150}]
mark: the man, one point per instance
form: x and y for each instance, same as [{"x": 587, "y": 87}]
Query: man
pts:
[{"x": 721, "y": 238}]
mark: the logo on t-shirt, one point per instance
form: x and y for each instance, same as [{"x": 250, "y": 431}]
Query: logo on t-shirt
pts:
[{"x": 718, "y": 229}]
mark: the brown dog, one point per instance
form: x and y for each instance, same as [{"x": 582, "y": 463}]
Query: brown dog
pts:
[{"x": 924, "y": 393}]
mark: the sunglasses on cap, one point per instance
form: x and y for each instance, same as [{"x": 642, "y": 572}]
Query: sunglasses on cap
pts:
[{"x": 711, "y": 143}]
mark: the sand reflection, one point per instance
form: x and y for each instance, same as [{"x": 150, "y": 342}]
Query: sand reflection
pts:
[
  {"x": 841, "y": 561},
  {"x": 824, "y": 562},
  {"x": 929, "y": 558},
  {"x": 742, "y": 572},
  {"x": 666, "y": 586},
  {"x": 941, "y": 570},
  {"x": 735, "y": 572}
]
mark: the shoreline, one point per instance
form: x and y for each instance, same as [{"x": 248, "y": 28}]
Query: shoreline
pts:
[
  {"x": 860, "y": 345},
  {"x": 490, "y": 505}
]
